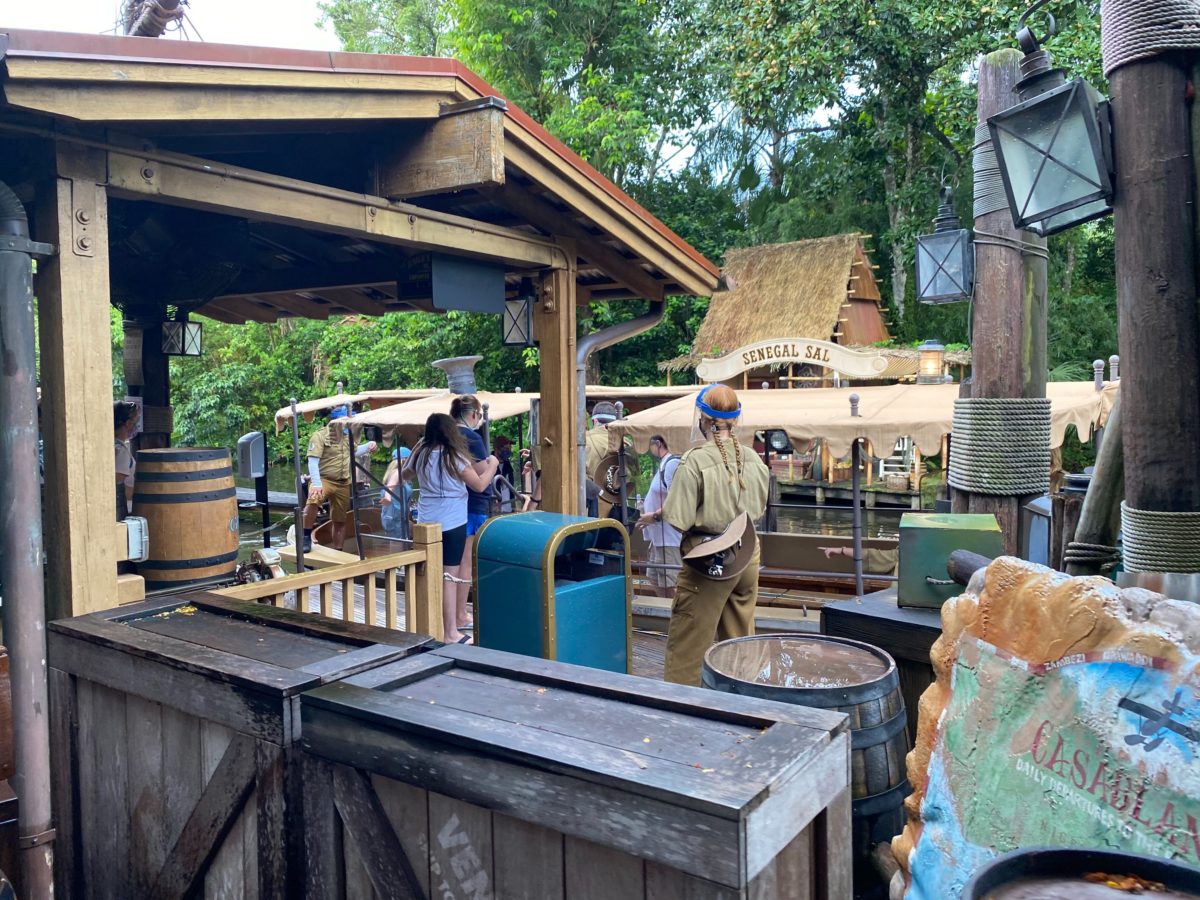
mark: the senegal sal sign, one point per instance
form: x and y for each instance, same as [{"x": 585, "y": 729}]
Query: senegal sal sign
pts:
[
  {"x": 853, "y": 363},
  {"x": 1096, "y": 749}
]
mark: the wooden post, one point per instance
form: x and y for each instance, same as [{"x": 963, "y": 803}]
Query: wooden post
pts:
[
  {"x": 1157, "y": 319},
  {"x": 554, "y": 327},
  {"x": 1009, "y": 349},
  {"x": 76, "y": 376},
  {"x": 423, "y": 593}
]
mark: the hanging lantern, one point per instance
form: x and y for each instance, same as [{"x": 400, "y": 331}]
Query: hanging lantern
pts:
[
  {"x": 930, "y": 360},
  {"x": 182, "y": 338},
  {"x": 945, "y": 259},
  {"x": 1054, "y": 147},
  {"x": 516, "y": 323}
]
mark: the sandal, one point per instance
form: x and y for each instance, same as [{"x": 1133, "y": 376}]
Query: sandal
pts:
[{"x": 464, "y": 639}]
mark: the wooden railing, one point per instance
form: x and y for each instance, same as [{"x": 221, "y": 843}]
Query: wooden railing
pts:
[{"x": 422, "y": 568}]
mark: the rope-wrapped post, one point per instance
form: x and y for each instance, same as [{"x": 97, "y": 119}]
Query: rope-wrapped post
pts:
[
  {"x": 1149, "y": 54},
  {"x": 1001, "y": 446},
  {"x": 1008, "y": 319}
]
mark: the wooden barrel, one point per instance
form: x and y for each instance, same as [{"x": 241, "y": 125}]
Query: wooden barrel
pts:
[
  {"x": 833, "y": 673},
  {"x": 188, "y": 499}
]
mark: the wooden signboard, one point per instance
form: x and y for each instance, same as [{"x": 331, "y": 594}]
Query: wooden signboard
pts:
[
  {"x": 855, "y": 363},
  {"x": 1065, "y": 712}
]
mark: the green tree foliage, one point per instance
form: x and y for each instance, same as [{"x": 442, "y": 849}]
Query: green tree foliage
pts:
[{"x": 736, "y": 122}]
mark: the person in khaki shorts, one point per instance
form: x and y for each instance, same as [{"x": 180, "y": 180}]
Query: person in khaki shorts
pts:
[
  {"x": 329, "y": 472},
  {"x": 714, "y": 489},
  {"x": 664, "y": 540}
]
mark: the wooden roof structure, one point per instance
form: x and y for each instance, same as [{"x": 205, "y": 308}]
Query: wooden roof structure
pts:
[
  {"x": 820, "y": 289},
  {"x": 211, "y": 125},
  {"x": 256, "y": 184}
]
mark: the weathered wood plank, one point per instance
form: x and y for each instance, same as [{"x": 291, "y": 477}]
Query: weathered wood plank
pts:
[
  {"x": 834, "y": 866},
  {"x": 211, "y": 819},
  {"x": 387, "y": 867},
  {"x": 460, "y": 855},
  {"x": 206, "y": 184},
  {"x": 659, "y": 734},
  {"x": 407, "y": 809},
  {"x": 191, "y": 693},
  {"x": 267, "y": 839},
  {"x": 680, "y": 784},
  {"x": 223, "y": 876},
  {"x": 593, "y": 872},
  {"x": 791, "y": 874},
  {"x": 75, "y": 370},
  {"x": 679, "y": 698},
  {"x": 663, "y": 883},
  {"x": 107, "y": 826},
  {"x": 458, "y": 151},
  {"x": 554, "y": 316},
  {"x": 673, "y": 835},
  {"x": 322, "y": 834},
  {"x": 146, "y": 793},
  {"x": 528, "y": 860},
  {"x": 64, "y": 764},
  {"x": 424, "y": 585},
  {"x": 170, "y": 103}
]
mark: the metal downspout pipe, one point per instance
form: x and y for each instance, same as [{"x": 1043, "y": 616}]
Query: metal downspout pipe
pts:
[
  {"x": 21, "y": 576},
  {"x": 586, "y": 346}
]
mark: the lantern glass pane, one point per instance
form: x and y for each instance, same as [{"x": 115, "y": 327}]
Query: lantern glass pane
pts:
[
  {"x": 516, "y": 324},
  {"x": 172, "y": 338},
  {"x": 1072, "y": 217},
  {"x": 1049, "y": 153},
  {"x": 192, "y": 334},
  {"x": 944, "y": 265}
]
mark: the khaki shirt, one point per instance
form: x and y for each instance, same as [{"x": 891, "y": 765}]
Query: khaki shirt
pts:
[
  {"x": 333, "y": 451},
  {"x": 703, "y": 496},
  {"x": 595, "y": 446}
]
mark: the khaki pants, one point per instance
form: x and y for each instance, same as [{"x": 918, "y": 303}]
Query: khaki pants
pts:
[
  {"x": 705, "y": 610},
  {"x": 665, "y": 578}
]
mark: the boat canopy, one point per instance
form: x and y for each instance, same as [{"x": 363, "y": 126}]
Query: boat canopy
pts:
[
  {"x": 408, "y": 419},
  {"x": 924, "y": 412},
  {"x": 375, "y": 399}
]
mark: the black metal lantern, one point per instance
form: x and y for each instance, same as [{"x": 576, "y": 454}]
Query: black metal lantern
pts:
[
  {"x": 516, "y": 323},
  {"x": 1053, "y": 148},
  {"x": 945, "y": 259},
  {"x": 180, "y": 338}
]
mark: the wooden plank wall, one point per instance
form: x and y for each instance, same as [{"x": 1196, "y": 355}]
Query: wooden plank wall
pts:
[
  {"x": 460, "y": 851},
  {"x": 133, "y": 814}
]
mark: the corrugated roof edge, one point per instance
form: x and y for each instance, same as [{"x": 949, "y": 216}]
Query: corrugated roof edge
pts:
[{"x": 18, "y": 42}]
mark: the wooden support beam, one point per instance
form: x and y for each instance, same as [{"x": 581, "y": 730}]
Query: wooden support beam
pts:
[
  {"x": 353, "y": 300},
  {"x": 462, "y": 149},
  {"x": 76, "y": 378},
  {"x": 554, "y": 323},
  {"x": 244, "y": 309},
  {"x": 296, "y": 305},
  {"x": 293, "y": 280},
  {"x": 179, "y": 103},
  {"x": 204, "y": 184},
  {"x": 627, "y": 272}
]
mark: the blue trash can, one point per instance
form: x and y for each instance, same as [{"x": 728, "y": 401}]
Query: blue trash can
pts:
[{"x": 556, "y": 587}]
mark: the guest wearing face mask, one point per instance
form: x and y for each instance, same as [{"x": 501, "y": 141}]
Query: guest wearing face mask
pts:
[{"x": 467, "y": 411}]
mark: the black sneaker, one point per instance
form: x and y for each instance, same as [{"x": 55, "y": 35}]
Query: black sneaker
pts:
[{"x": 307, "y": 543}]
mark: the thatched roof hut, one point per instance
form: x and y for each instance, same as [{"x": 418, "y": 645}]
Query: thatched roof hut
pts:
[{"x": 820, "y": 289}]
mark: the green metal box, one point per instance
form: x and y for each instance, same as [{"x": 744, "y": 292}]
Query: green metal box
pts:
[
  {"x": 926, "y": 542},
  {"x": 555, "y": 586}
]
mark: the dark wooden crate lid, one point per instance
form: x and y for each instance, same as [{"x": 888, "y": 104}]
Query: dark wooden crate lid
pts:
[
  {"x": 250, "y": 645},
  {"x": 694, "y": 747}
]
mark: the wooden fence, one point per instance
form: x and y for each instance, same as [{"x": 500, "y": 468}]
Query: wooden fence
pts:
[{"x": 422, "y": 568}]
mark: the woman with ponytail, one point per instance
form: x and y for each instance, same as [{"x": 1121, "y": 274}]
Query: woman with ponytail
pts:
[
  {"x": 717, "y": 492},
  {"x": 444, "y": 470},
  {"x": 467, "y": 411}
]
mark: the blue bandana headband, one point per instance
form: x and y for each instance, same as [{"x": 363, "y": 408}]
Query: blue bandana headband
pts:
[{"x": 716, "y": 413}]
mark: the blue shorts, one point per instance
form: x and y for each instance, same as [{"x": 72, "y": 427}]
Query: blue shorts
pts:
[{"x": 475, "y": 522}]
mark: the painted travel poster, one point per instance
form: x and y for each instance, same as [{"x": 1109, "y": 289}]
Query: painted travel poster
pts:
[{"x": 1097, "y": 749}]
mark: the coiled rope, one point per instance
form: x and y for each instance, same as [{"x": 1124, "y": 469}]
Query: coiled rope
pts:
[
  {"x": 1156, "y": 541},
  {"x": 989, "y": 187},
  {"x": 1001, "y": 445},
  {"x": 1131, "y": 30},
  {"x": 1101, "y": 556}
]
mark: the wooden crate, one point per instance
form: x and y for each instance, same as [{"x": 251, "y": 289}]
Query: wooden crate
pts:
[
  {"x": 172, "y": 723},
  {"x": 468, "y": 772}
]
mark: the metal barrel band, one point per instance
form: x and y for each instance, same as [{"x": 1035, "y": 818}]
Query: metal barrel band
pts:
[
  {"x": 885, "y": 800},
  {"x": 874, "y": 735},
  {"x": 200, "y": 475},
  {"x": 199, "y": 497},
  {"x": 201, "y": 562},
  {"x": 174, "y": 456}
]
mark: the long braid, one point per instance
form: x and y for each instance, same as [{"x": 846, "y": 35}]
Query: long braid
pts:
[{"x": 737, "y": 452}]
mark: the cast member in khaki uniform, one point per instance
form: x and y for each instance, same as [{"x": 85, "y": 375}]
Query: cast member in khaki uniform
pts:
[
  {"x": 330, "y": 450},
  {"x": 714, "y": 485}
]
